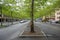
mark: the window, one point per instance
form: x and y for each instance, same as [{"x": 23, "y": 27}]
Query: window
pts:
[
  {"x": 58, "y": 13},
  {"x": 58, "y": 17}
]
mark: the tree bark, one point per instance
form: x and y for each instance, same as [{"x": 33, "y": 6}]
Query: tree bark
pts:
[
  {"x": 12, "y": 18},
  {"x": 32, "y": 23},
  {"x": 1, "y": 15}
]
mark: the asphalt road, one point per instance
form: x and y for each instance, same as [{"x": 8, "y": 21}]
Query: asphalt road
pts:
[
  {"x": 12, "y": 31},
  {"x": 51, "y": 31}
]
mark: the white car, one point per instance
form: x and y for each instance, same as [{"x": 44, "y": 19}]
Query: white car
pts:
[
  {"x": 52, "y": 21},
  {"x": 23, "y": 21}
]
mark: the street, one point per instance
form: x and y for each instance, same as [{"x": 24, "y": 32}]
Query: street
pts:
[
  {"x": 52, "y": 32},
  {"x": 12, "y": 31}
]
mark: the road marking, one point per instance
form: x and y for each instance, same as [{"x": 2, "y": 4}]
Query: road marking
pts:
[{"x": 44, "y": 35}]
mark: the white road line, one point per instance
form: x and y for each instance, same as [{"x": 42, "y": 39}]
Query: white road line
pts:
[{"x": 44, "y": 35}]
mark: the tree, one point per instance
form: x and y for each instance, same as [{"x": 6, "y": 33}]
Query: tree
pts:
[
  {"x": 1, "y": 5},
  {"x": 32, "y": 11}
]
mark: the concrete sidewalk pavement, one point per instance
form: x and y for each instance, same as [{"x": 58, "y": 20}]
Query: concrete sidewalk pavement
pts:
[{"x": 27, "y": 35}]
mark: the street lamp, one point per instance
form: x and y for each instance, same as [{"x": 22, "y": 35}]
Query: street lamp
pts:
[{"x": 1, "y": 11}]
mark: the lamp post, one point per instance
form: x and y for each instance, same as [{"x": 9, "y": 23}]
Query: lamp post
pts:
[{"x": 1, "y": 11}]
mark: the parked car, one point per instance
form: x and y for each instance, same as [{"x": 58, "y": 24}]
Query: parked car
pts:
[
  {"x": 52, "y": 21},
  {"x": 23, "y": 21},
  {"x": 38, "y": 20},
  {"x": 57, "y": 22}
]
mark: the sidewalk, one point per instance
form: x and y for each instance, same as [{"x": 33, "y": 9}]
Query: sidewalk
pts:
[
  {"x": 54, "y": 24},
  {"x": 6, "y": 24},
  {"x": 26, "y": 35}
]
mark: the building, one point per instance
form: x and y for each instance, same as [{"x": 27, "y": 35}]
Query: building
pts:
[
  {"x": 57, "y": 15},
  {"x": 5, "y": 18},
  {"x": 1, "y": 17}
]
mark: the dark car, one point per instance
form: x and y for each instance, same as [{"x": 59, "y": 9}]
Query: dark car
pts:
[{"x": 57, "y": 22}]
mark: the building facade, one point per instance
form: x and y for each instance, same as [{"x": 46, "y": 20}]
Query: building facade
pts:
[{"x": 57, "y": 15}]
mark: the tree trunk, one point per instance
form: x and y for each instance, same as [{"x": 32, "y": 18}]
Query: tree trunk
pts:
[
  {"x": 12, "y": 18},
  {"x": 32, "y": 23},
  {"x": 1, "y": 15}
]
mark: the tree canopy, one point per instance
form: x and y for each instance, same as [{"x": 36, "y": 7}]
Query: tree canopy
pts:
[{"x": 22, "y": 8}]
